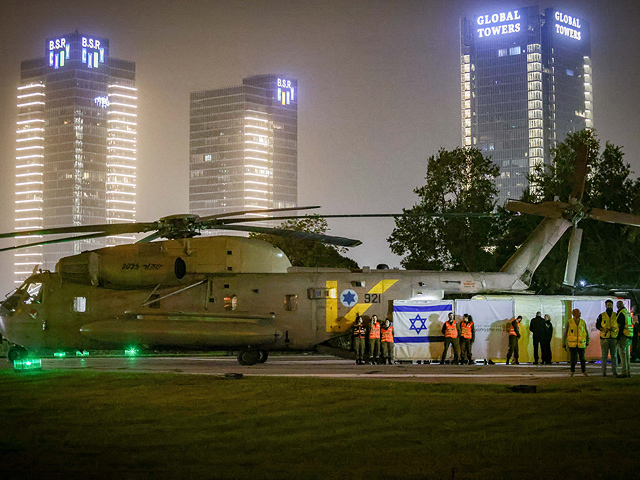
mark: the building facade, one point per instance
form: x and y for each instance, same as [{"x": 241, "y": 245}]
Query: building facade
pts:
[
  {"x": 525, "y": 80},
  {"x": 243, "y": 146},
  {"x": 76, "y": 145}
]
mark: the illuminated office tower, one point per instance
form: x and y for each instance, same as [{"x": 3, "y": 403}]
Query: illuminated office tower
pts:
[
  {"x": 525, "y": 84},
  {"x": 243, "y": 152},
  {"x": 76, "y": 145}
]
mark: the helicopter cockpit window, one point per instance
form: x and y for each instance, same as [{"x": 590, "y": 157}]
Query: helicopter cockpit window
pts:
[
  {"x": 291, "y": 303},
  {"x": 34, "y": 293},
  {"x": 230, "y": 302}
]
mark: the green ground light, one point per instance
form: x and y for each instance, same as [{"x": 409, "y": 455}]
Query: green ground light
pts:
[
  {"x": 27, "y": 364},
  {"x": 82, "y": 353},
  {"x": 131, "y": 352}
]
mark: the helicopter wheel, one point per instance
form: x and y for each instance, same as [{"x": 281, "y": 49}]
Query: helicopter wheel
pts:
[
  {"x": 16, "y": 352},
  {"x": 249, "y": 357},
  {"x": 264, "y": 354}
]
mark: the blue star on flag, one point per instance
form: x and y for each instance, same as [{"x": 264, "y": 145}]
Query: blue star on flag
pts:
[
  {"x": 348, "y": 298},
  {"x": 422, "y": 326}
]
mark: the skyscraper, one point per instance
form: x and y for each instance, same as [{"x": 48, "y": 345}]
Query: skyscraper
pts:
[
  {"x": 76, "y": 145},
  {"x": 243, "y": 146},
  {"x": 525, "y": 84}
]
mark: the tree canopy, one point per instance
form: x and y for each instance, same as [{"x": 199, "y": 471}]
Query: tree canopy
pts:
[
  {"x": 610, "y": 253},
  {"x": 460, "y": 180},
  {"x": 308, "y": 253}
]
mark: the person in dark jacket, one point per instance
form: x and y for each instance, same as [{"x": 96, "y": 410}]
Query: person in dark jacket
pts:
[
  {"x": 536, "y": 327},
  {"x": 547, "y": 335},
  {"x": 635, "y": 354}
]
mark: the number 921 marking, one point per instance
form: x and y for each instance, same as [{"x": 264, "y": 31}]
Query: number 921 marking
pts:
[{"x": 372, "y": 298}]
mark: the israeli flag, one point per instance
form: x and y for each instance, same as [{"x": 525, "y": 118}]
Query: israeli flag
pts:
[{"x": 417, "y": 327}]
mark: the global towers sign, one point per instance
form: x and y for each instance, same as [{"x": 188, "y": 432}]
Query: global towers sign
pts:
[
  {"x": 498, "y": 24},
  {"x": 503, "y": 23},
  {"x": 567, "y": 25}
]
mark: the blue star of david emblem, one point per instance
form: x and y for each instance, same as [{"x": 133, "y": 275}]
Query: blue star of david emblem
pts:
[
  {"x": 348, "y": 298},
  {"x": 422, "y": 326}
]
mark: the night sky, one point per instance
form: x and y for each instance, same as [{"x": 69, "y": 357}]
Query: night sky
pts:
[{"x": 378, "y": 86}]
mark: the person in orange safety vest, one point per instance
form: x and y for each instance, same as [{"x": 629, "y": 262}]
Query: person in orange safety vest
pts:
[
  {"x": 514, "y": 336},
  {"x": 374, "y": 340},
  {"x": 467, "y": 337},
  {"x": 451, "y": 332},
  {"x": 387, "y": 342}
]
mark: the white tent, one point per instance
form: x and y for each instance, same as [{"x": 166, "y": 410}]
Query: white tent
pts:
[{"x": 417, "y": 324}]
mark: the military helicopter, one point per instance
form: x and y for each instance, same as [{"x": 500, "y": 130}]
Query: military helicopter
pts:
[{"x": 235, "y": 293}]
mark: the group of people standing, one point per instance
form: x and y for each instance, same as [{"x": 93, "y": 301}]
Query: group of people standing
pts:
[
  {"x": 461, "y": 337},
  {"x": 616, "y": 333},
  {"x": 542, "y": 332},
  {"x": 380, "y": 338}
]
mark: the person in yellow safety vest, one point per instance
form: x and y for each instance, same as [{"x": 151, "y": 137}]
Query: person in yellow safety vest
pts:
[
  {"x": 625, "y": 335},
  {"x": 451, "y": 332},
  {"x": 467, "y": 337},
  {"x": 608, "y": 325},
  {"x": 514, "y": 336},
  {"x": 576, "y": 337},
  {"x": 359, "y": 334},
  {"x": 374, "y": 340},
  {"x": 387, "y": 342}
]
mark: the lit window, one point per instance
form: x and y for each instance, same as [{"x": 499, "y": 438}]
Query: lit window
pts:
[
  {"x": 79, "y": 304},
  {"x": 515, "y": 50},
  {"x": 502, "y": 52},
  {"x": 570, "y": 72},
  {"x": 291, "y": 303},
  {"x": 230, "y": 302}
]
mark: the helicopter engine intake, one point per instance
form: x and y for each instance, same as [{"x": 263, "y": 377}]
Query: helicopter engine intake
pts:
[{"x": 122, "y": 272}]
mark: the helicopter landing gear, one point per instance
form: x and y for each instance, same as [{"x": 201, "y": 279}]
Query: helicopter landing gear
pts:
[
  {"x": 264, "y": 354},
  {"x": 249, "y": 357},
  {"x": 16, "y": 352}
]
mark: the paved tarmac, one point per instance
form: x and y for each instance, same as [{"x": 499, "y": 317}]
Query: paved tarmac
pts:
[{"x": 326, "y": 366}]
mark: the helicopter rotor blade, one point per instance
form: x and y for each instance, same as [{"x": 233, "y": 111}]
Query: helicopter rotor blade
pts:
[
  {"x": 57, "y": 240},
  {"x": 579, "y": 173},
  {"x": 150, "y": 238},
  {"x": 244, "y": 212},
  {"x": 281, "y": 232},
  {"x": 614, "y": 217},
  {"x": 366, "y": 215},
  {"x": 572, "y": 257},
  {"x": 546, "y": 209},
  {"x": 106, "y": 229}
]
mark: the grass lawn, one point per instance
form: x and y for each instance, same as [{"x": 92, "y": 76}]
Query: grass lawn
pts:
[{"x": 123, "y": 425}]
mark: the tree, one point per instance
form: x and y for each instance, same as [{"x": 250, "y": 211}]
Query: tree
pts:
[
  {"x": 307, "y": 253},
  {"x": 460, "y": 180},
  {"x": 610, "y": 253}
]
